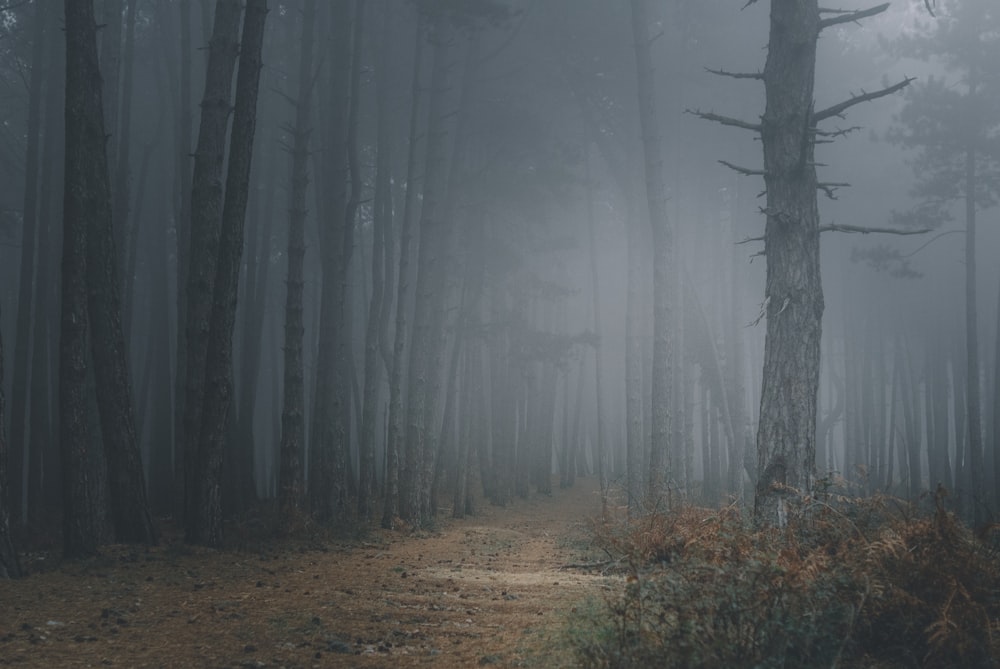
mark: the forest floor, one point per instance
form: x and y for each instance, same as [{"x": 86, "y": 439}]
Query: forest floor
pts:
[{"x": 489, "y": 590}]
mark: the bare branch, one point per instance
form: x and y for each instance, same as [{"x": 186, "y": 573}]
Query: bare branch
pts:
[
  {"x": 840, "y": 108},
  {"x": 833, "y": 227},
  {"x": 725, "y": 120},
  {"x": 830, "y": 188},
  {"x": 745, "y": 171},
  {"x": 839, "y": 132},
  {"x": 737, "y": 75},
  {"x": 749, "y": 2},
  {"x": 849, "y": 16},
  {"x": 749, "y": 240}
]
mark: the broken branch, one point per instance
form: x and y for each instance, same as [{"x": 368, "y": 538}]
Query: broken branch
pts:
[
  {"x": 833, "y": 227},
  {"x": 736, "y": 75},
  {"x": 745, "y": 171},
  {"x": 843, "y": 16},
  {"x": 724, "y": 120},
  {"x": 838, "y": 109}
]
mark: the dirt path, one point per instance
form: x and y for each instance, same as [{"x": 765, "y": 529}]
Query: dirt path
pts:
[{"x": 484, "y": 591}]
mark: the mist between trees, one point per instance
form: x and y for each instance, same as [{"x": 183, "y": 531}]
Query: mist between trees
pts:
[{"x": 377, "y": 260}]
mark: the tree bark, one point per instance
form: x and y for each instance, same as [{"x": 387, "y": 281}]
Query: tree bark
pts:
[
  {"x": 9, "y": 565},
  {"x": 203, "y": 253},
  {"x": 207, "y": 527},
  {"x": 26, "y": 278},
  {"x": 84, "y": 192},
  {"x": 660, "y": 465},
  {"x": 430, "y": 289},
  {"x": 786, "y": 434},
  {"x": 395, "y": 429},
  {"x": 290, "y": 473}
]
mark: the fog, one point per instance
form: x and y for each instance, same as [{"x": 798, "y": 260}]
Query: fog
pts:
[{"x": 538, "y": 165}]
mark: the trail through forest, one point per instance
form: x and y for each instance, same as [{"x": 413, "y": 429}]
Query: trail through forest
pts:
[{"x": 489, "y": 590}]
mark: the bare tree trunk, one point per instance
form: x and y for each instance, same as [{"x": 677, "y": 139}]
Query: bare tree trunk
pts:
[
  {"x": 374, "y": 328},
  {"x": 660, "y": 464},
  {"x": 430, "y": 289},
  {"x": 290, "y": 472},
  {"x": 329, "y": 429},
  {"x": 123, "y": 231},
  {"x": 395, "y": 430},
  {"x": 786, "y": 434},
  {"x": 183, "y": 220},
  {"x": 82, "y": 514},
  {"x": 26, "y": 277},
  {"x": 205, "y": 232},
  {"x": 9, "y": 565},
  {"x": 974, "y": 404},
  {"x": 207, "y": 525}
]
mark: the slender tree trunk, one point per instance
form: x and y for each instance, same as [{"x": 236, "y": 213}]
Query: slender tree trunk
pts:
[
  {"x": 329, "y": 429},
  {"x": 110, "y": 60},
  {"x": 123, "y": 231},
  {"x": 786, "y": 434},
  {"x": 634, "y": 432},
  {"x": 290, "y": 473},
  {"x": 660, "y": 465},
  {"x": 9, "y": 565},
  {"x": 395, "y": 429},
  {"x": 430, "y": 288},
  {"x": 183, "y": 219},
  {"x": 381, "y": 226},
  {"x": 26, "y": 278},
  {"x": 207, "y": 525},
  {"x": 974, "y": 404},
  {"x": 996, "y": 410},
  {"x": 205, "y": 233},
  {"x": 595, "y": 289}
]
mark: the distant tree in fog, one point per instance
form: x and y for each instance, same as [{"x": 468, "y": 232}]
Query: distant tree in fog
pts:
[{"x": 952, "y": 122}]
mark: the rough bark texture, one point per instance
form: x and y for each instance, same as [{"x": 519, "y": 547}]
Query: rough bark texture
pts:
[
  {"x": 205, "y": 231},
  {"x": 660, "y": 465},
  {"x": 85, "y": 189},
  {"x": 786, "y": 434},
  {"x": 207, "y": 528},
  {"x": 290, "y": 474},
  {"x": 9, "y": 565}
]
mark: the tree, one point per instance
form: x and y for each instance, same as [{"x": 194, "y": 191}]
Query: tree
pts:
[
  {"x": 205, "y": 231},
  {"x": 87, "y": 196},
  {"x": 290, "y": 484},
  {"x": 953, "y": 125},
  {"x": 9, "y": 565},
  {"x": 660, "y": 465},
  {"x": 207, "y": 523},
  {"x": 793, "y": 297}
]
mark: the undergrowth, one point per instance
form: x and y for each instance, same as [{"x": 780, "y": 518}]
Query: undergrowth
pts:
[{"x": 849, "y": 583}]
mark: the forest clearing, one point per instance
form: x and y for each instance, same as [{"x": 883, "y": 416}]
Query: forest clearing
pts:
[{"x": 488, "y": 590}]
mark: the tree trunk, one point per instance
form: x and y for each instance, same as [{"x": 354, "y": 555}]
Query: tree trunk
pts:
[
  {"x": 973, "y": 402},
  {"x": 786, "y": 434},
  {"x": 395, "y": 428},
  {"x": 660, "y": 465},
  {"x": 84, "y": 193},
  {"x": 290, "y": 472},
  {"x": 123, "y": 231},
  {"x": 430, "y": 290},
  {"x": 215, "y": 423},
  {"x": 329, "y": 429},
  {"x": 374, "y": 328},
  {"x": 205, "y": 232},
  {"x": 183, "y": 218},
  {"x": 26, "y": 278},
  {"x": 9, "y": 565}
]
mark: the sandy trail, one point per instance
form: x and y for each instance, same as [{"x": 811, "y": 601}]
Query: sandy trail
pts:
[{"x": 483, "y": 591}]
